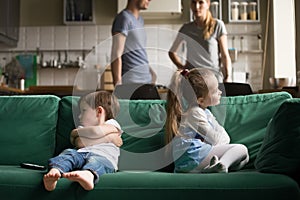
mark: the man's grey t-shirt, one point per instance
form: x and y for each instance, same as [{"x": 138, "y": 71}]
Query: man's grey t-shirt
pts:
[{"x": 135, "y": 65}]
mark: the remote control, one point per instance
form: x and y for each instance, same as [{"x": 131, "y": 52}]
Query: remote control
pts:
[{"x": 32, "y": 166}]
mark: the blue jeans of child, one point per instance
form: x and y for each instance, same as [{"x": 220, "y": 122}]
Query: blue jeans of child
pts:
[{"x": 70, "y": 160}]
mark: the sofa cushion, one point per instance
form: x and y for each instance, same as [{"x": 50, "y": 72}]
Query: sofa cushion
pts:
[
  {"x": 279, "y": 152},
  {"x": 19, "y": 183},
  {"x": 143, "y": 139},
  {"x": 28, "y": 128},
  {"x": 246, "y": 118},
  {"x": 68, "y": 117},
  {"x": 158, "y": 185},
  {"x": 142, "y": 122}
]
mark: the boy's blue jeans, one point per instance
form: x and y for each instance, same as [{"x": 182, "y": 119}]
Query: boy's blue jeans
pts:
[{"x": 70, "y": 160}]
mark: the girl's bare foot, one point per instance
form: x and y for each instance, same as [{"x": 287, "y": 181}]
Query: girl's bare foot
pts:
[
  {"x": 85, "y": 178},
  {"x": 50, "y": 179}
]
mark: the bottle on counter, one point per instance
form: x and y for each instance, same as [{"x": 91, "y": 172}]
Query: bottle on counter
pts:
[
  {"x": 22, "y": 84},
  {"x": 234, "y": 10},
  {"x": 243, "y": 11}
]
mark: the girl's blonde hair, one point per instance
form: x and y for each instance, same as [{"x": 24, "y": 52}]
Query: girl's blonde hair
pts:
[{"x": 186, "y": 87}]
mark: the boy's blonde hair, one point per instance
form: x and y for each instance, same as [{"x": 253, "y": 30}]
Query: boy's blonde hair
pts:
[{"x": 104, "y": 99}]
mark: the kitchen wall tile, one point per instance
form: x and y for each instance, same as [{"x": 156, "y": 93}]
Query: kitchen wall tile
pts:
[
  {"x": 152, "y": 55},
  {"x": 166, "y": 37},
  {"x": 89, "y": 37},
  {"x": 236, "y": 28},
  {"x": 72, "y": 74},
  {"x": 60, "y": 77},
  {"x": 61, "y": 37},
  {"x": 104, "y": 32},
  {"x": 165, "y": 73},
  {"x": 152, "y": 33},
  {"x": 32, "y": 38},
  {"x": 45, "y": 76},
  {"x": 176, "y": 27},
  {"x": 253, "y": 28},
  {"x": 22, "y": 39},
  {"x": 76, "y": 37},
  {"x": 47, "y": 38}
]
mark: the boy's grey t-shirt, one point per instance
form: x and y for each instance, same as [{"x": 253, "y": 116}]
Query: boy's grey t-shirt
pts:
[
  {"x": 201, "y": 52},
  {"x": 135, "y": 65}
]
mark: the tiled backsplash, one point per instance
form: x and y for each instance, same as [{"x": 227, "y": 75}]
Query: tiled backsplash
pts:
[{"x": 243, "y": 37}]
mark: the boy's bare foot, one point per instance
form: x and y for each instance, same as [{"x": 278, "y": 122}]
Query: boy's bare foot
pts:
[
  {"x": 50, "y": 179},
  {"x": 85, "y": 178}
]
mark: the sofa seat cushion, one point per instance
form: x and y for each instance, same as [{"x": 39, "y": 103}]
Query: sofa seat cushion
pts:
[
  {"x": 280, "y": 151},
  {"x": 28, "y": 128},
  {"x": 158, "y": 185},
  {"x": 246, "y": 118},
  {"x": 19, "y": 183}
]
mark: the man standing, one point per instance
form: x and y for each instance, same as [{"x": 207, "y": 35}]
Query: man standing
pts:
[{"x": 129, "y": 58}]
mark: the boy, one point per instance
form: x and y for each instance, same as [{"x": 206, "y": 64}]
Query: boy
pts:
[{"x": 96, "y": 141}]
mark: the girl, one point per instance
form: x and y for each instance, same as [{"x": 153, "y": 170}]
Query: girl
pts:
[
  {"x": 205, "y": 38},
  {"x": 200, "y": 144}
]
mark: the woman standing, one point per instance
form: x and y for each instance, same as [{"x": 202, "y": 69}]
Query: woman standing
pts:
[{"x": 205, "y": 38}]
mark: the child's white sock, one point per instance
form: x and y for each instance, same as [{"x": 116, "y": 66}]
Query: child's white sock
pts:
[
  {"x": 216, "y": 168},
  {"x": 214, "y": 160}
]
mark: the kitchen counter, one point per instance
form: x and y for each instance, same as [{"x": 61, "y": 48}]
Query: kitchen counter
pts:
[
  {"x": 59, "y": 91},
  {"x": 4, "y": 90}
]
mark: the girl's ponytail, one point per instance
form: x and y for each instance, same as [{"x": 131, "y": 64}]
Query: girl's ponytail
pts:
[{"x": 174, "y": 107}]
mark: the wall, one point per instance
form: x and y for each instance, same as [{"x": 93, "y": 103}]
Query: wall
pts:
[
  {"x": 297, "y": 8},
  {"x": 46, "y": 31},
  {"x": 50, "y": 13}
]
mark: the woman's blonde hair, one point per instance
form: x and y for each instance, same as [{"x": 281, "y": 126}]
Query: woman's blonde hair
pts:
[
  {"x": 186, "y": 87},
  {"x": 209, "y": 24}
]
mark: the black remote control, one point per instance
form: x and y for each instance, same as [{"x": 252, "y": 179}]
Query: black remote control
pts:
[{"x": 32, "y": 166}]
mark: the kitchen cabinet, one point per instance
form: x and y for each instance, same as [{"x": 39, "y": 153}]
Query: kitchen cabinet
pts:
[
  {"x": 166, "y": 9},
  {"x": 79, "y": 12},
  {"x": 9, "y": 22},
  {"x": 242, "y": 11}
]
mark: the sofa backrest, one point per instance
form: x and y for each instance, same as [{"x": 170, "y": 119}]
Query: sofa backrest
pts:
[
  {"x": 244, "y": 117},
  {"x": 141, "y": 120},
  {"x": 143, "y": 139},
  {"x": 28, "y": 128}
]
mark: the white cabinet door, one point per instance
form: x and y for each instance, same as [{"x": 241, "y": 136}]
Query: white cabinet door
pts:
[{"x": 158, "y": 7}]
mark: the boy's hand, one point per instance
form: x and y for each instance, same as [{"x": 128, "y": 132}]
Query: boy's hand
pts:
[
  {"x": 74, "y": 136},
  {"x": 116, "y": 139}
]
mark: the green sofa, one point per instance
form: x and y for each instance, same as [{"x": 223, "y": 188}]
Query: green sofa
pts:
[{"x": 35, "y": 128}]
